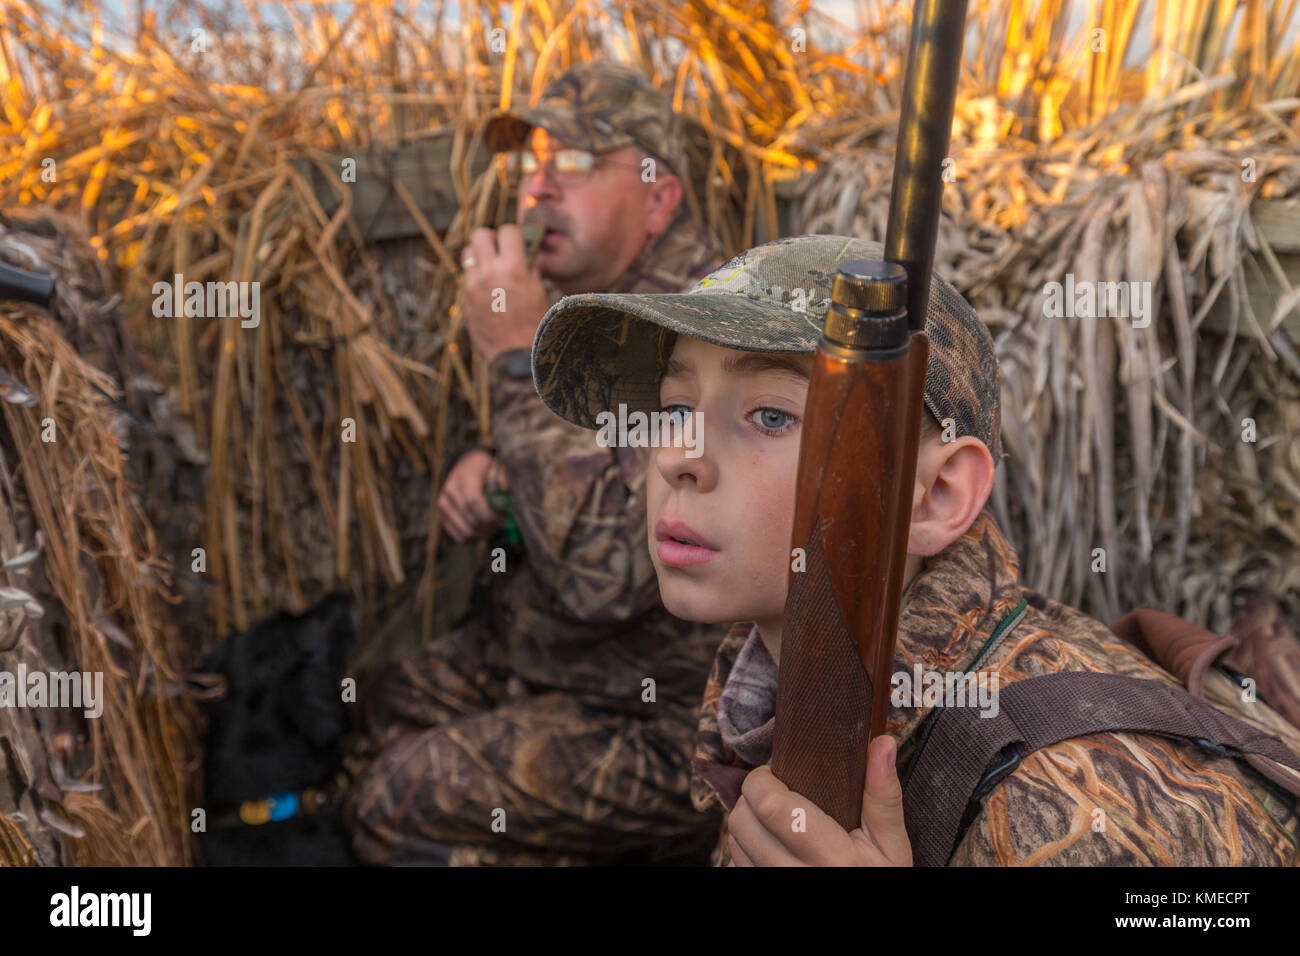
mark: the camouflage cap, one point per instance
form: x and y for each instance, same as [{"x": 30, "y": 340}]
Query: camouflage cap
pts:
[
  {"x": 598, "y": 107},
  {"x": 595, "y": 351}
]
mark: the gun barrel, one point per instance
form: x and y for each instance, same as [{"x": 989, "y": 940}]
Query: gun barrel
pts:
[
  {"x": 924, "y": 134},
  {"x": 19, "y": 286}
]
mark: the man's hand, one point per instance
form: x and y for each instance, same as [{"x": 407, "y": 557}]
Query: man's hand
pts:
[
  {"x": 462, "y": 503},
  {"x": 764, "y": 828},
  {"x": 497, "y": 274}
]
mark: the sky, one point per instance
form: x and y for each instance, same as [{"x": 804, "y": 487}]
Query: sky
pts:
[{"x": 845, "y": 11}]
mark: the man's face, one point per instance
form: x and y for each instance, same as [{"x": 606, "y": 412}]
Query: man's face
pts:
[
  {"x": 736, "y": 500},
  {"x": 596, "y": 226}
]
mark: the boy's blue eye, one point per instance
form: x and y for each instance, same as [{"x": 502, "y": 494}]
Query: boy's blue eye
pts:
[
  {"x": 772, "y": 419},
  {"x": 679, "y": 412}
]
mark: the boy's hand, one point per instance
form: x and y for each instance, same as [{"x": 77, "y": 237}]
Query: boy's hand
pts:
[{"x": 764, "y": 828}]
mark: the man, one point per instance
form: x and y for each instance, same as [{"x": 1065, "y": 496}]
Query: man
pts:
[{"x": 557, "y": 725}]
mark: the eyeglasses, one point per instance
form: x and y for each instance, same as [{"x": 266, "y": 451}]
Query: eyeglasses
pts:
[{"x": 570, "y": 167}]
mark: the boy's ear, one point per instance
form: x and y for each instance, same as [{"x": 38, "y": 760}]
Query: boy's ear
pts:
[{"x": 953, "y": 481}]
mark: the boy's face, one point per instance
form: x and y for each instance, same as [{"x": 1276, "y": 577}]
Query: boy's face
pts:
[{"x": 735, "y": 501}]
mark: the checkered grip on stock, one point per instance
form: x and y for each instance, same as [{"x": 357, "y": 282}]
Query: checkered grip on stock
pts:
[{"x": 823, "y": 698}]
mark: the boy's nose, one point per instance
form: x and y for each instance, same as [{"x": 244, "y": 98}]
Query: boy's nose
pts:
[{"x": 678, "y": 469}]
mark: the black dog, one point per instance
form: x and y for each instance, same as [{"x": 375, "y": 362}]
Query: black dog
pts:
[{"x": 273, "y": 742}]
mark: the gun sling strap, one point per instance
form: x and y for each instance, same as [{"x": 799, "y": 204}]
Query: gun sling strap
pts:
[{"x": 966, "y": 755}]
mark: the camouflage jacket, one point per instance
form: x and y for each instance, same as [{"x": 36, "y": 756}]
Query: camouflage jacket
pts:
[
  {"x": 1165, "y": 803},
  {"x": 580, "y": 612}
]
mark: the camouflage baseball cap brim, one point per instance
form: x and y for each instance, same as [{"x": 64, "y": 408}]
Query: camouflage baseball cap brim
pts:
[
  {"x": 598, "y": 107},
  {"x": 509, "y": 129},
  {"x": 593, "y": 352}
]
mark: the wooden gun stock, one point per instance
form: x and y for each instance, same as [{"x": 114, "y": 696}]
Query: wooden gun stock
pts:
[
  {"x": 857, "y": 462},
  {"x": 857, "y": 457}
]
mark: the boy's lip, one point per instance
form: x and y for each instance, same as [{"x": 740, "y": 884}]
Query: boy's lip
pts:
[
  {"x": 665, "y": 530},
  {"x": 674, "y": 549}
]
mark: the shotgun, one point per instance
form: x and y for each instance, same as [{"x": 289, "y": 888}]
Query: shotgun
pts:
[
  {"x": 19, "y": 286},
  {"x": 857, "y": 456}
]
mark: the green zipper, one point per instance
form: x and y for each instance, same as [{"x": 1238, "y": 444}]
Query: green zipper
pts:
[{"x": 1006, "y": 624}]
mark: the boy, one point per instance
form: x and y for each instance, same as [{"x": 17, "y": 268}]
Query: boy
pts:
[{"x": 737, "y": 349}]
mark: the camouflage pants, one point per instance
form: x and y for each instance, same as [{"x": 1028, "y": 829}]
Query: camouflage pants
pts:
[{"x": 464, "y": 766}]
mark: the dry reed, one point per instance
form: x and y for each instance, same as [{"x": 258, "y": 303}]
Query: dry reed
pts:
[{"x": 181, "y": 161}]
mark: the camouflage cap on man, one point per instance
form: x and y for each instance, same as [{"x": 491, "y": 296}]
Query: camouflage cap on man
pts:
[
  {"x": 595, "y": 351},
  {"x": 597, "y": 107}
]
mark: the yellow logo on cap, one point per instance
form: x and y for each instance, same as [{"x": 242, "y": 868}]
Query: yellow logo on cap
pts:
[{"x": 709, "y": 280}]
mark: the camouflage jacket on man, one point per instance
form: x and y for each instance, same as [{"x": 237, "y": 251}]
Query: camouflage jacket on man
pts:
[
  {"x": 581, "y": 612},
  {"x": 1164, "y": 802}
]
